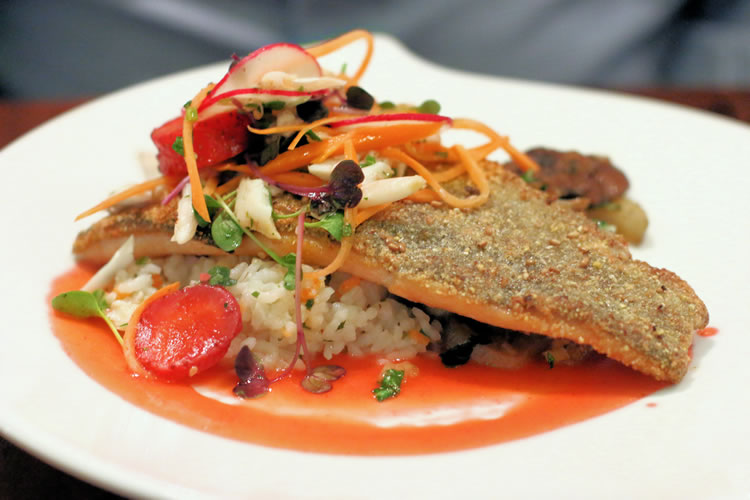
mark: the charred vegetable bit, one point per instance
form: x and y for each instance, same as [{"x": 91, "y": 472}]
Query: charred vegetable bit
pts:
[
  {"x": 253, "y": 381},
  {"x": 311, "y": 111},
  {"x": 390, "y": 385},
  {"x": 320, "y": 378},
  {"x": 359, "y": 98},
  {"x": 85, "y": 305}
]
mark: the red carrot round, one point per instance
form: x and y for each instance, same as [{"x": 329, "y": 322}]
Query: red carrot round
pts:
[{"x": 187, "y": 331}]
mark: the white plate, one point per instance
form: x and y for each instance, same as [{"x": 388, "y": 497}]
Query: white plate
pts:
[{"x": 689, "y": 169}]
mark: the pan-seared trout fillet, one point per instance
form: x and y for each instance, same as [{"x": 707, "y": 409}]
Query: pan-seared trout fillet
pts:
[{"x": 517, "y": 262}]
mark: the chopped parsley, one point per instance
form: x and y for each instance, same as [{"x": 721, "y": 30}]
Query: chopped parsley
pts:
[
  {"x": 179, "y": 146},
  {"x": 390, "y": 385},
  {"x": 550, "y": 359}
]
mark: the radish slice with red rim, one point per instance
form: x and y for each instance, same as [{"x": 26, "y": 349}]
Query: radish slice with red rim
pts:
[{"x": 286, "y": 57}]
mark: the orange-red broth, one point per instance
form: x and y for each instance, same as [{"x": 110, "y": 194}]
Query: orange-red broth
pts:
[{"x": 439, "y": 410}]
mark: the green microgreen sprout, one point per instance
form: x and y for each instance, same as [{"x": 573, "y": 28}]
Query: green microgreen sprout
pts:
[
  {"x": 333, "y": 223},
  {"x": 430, "y": 106},
  {"x": 288, "y": 261},
  {"x": 312, "y": 135},
  {"x": 220, "y": 276},
  {"x": 179, "y": 146},
  {"x": 85, "y": 305},
  {"x": 369, "y": 160},
  {"x": 274, "y": 105}
]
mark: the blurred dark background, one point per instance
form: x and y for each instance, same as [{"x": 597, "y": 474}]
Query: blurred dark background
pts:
[{"x": 68, "y": 48}]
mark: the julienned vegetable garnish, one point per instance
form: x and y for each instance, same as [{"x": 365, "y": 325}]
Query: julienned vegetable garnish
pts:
[{"x": 283, "y": 160}]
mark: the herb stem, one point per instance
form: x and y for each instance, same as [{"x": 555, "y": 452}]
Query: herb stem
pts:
[{"x": 114, "y": 329}]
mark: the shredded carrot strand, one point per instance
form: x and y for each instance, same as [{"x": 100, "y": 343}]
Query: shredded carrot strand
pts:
[
  {"x": 335, "y": 143},
  {"x": 425, "y": 195},
  {"x": 450, "y": 173},
  {"x": 350, "y": 215},
  {"x": 476, "y": 174},
  {"x": 365, "y": 213},
  {"x": 350, "y": 153},
  {"x": 417, "y": 337},
  {"x": 229, "y": 186},
  {"x": 522, "y": 159},
  {"x": 348, "y": 285},
  {"x": 365, "y": 138},
  {"x": 211, "y": 184},
  {"x": 124, "y": 195},
  {"x": 129, "y": 335},
  {"x": 302, "y": 179},
  {"x": 345, "y": 39},
  {"x": 196, "y": 189},
  {"x": 235, "y": 168}
]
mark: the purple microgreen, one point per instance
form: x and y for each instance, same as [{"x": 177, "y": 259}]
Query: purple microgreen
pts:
[
  {"x": 176, "y": 191},
  {"x": 253, "y": 381},
  {"x": 315, "y": 384},
  {"x": 329, "y": 372}
]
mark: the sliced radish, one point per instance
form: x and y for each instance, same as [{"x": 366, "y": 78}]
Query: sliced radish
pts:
[
  {"x": 391, "y": 117},
  {"x": 249, "y": 70}
]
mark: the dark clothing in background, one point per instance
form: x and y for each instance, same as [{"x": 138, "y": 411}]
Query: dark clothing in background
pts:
[{"x": 84, "y": 47}]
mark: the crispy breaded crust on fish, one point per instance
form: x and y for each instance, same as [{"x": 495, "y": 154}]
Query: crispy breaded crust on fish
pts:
[{"x": 518, "y": 262}]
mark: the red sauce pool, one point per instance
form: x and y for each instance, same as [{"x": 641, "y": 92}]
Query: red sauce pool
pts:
[
  {"x": 708, "y": 332},
  {"x": 439, "y": 410}
]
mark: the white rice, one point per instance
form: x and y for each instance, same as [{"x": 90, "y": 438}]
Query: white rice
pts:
[{"x": 362, "y": 321}]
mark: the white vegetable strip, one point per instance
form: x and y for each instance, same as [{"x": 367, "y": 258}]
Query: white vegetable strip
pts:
[
  {"x": 253, "y": 208},
  {"x": 187, "y": 223},
  {"x": 286, "y": 81},
  {"x": 376, "y": 171},
  {"x": 388, "y": 190},
  {"x": 122, "y": 258}
]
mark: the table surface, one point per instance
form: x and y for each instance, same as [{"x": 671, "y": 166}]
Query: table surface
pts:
[{"x": 23, "y": 476}]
